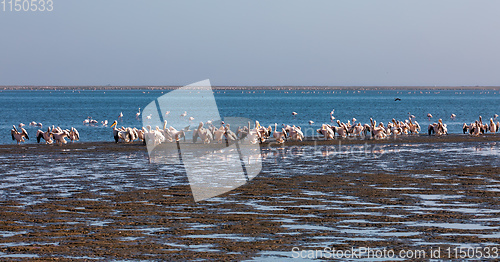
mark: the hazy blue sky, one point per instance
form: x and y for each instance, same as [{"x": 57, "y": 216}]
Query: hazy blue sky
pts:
[{"x": 371, "y": 42}]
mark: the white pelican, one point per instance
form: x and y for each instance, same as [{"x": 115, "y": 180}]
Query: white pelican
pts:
[
  {"x": 166, "y": 113},
  {"x": 59, "y": 136},
  {"x": 311, "y": 122},
  {"x": 495, "y": 117},
  {"x": 279, "y": 136},
  {"x": 39, "y": 125},
  {"x": 191, "y": 118},
  {"x": 294, "y": 113},
  {"x": 47, "y": 136},
  {"x": 74, "y": 135},
  {"x": 33, "y": 123},
  {"x": 149, "y": 117},
  {"x": 230, "y": 135},
  {"x": 453, "y": 116},
  {"x": 326, "y": 132},
  {"x": 219, "y": 133},
  {"x": 121, "y": 133},
  {"x": 429, "y": 116},
  {"x": 437, "y": 128},
  {"x": 492, "y": 127},
  {"x": 177, "y": 135},
  {"x": 104, "y": 123},
  {"x": 19, "y": 136},
  {"x": 184, "y": 114},
  {"x": 138, "y": 113},
  {"x": 21, "y": 125}
]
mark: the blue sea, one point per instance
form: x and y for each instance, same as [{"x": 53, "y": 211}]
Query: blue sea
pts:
[{"x": 68, "y": 108}]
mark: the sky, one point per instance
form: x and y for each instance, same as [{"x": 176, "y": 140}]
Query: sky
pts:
[{"x": 259, "y": 43}]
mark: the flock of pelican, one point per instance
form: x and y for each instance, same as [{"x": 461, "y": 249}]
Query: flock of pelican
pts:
[
  {"x": 477, "y": 128},
  {"x": 54, "y": 134},
  {"x": 208, "y": 132}
]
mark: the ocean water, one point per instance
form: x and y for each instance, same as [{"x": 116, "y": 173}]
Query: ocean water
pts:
[{"x": 68, "y": 108}]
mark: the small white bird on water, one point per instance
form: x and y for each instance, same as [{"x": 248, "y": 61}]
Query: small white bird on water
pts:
[
  {"x": 121, "y": 115},
  {"x": 184, "y": 114},
  {"x": 311, "y": 122},
  {"x": 138, "y": 113},
  {"x": 453, "y": 116},
  {"x": 294, "y": 113},
  {"x": 429, "y": 116}
]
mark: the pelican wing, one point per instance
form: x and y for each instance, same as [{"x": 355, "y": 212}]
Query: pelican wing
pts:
[{"x": 25, "y": 133}]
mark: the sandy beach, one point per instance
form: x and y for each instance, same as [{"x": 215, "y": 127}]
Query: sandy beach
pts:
[{"x": 104, "y": 201}]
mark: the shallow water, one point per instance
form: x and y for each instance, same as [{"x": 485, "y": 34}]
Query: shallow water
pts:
[
  {"x": 411, "y": 181},
  {"x": 70, "y": 107}
]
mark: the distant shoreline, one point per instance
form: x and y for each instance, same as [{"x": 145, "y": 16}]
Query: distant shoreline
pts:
[{"x": 51, "y": 88}]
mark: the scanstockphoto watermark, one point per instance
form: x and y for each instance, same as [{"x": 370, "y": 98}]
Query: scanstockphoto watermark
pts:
[
  {"x": 177, "y": 133},
  {"x": 329, "y": 152},
  {"x": 365, "y": 253}
]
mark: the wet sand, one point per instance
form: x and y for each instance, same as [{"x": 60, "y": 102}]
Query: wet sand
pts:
[{"x": 87, "y": 201}]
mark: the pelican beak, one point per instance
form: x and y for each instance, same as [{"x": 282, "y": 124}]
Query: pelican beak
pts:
[{"x": 114, "y": 124}]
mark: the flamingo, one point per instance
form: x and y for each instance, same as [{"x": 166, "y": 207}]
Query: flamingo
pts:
[
  {"x": 311, "y": 122},
  {"x": 121, "y": 115},
  {"x": 429, "y": 116},
  {"x": 167, "y": 113},
  {"x": 191, "y": 118},
  {"x": 453, "y": 116}
]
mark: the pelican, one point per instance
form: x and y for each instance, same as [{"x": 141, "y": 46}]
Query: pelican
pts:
[
  {"x": 495, "y": 117},
  {"x": 149, "y": 117},
  {"x": 47, "y": 136},
  {"x": 219, "y": 133},
  {"x": 184, "y": 114},
  {"x": 453, "y": 116},
  {"x": 279, "y": 136},
  {"x": 121, "y": 133},
  {"x": 138, "y": 113},
  {"x": 104, "y": 123},
  {"x": 33, "y": 123},
  {"x": 326, "y": 132},
  {"x": 493, "y": 128},
  {"x": 294, "y": 113},
  {"x": 166, "y": 113},
  {"x": 21, "y": 125},
  {"x": 39, "y": 125},
  {"x": 19, "y": 136},
  {"x": 121, "y": 115},
  {"x": 311, "y": 122},
  {"x": 74, "y": 135},
  {"x": 191, "y": 118},
  {"x": 429, "y": 116},
  {"x": 59, "y": 136},
  {"x": 230, "y": 135}
]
